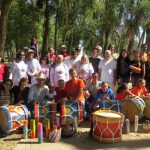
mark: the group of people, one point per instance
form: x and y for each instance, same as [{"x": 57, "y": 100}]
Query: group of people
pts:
[{"x": 89, "y": 81}]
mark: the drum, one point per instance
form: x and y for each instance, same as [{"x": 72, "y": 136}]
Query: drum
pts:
[
  {"x": 47, "y": 111},
  {"x": 107, "y": 126},
  {"x": 70, "y": 110},
  {"x": 147, "y": 108},
  {"x": 133, "y": 106},
  {"x": 13, "y": 117}
]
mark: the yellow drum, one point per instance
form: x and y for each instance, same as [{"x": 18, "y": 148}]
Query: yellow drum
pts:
[
  {"x": 147, "y": 108},
  {"x": 133, "y": 106},
  {"x": 107, "y": 126}
]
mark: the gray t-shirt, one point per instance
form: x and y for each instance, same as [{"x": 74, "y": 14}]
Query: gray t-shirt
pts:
[{"x": 93, "y": 88}]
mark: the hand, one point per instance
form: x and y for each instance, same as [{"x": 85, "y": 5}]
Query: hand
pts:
[
  {"x": 32, "y": 101},
  {"x": 119, "y": 81}
]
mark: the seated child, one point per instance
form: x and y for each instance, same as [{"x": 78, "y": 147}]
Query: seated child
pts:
[
  {"x": 60, "y": 93},
  {"x": 123, "y": 92},
  {"x": 140, "y": 89},
  {"x": 51, "y": 96}
]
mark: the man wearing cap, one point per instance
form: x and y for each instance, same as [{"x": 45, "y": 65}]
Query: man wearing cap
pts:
[
  {"x": 63, "y": 51},
  {"x": 107, "y": 69},
  {"x": 39, "y": 90},
  {"x": 79, "y": 51},
  {"x": 33, "y": 66},
  {"x": 99, "y": 52},
  {"x": 37, "y": 93}
]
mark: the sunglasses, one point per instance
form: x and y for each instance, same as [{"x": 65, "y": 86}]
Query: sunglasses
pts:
[{"x": 41, "y": 79}]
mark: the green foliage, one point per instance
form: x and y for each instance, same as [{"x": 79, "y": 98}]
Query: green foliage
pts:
[{"x": 95, "y": 22}]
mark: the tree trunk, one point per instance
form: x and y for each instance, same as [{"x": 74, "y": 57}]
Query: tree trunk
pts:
[
  {"x": 4, "y": 11},
  {"x": 106, "y": 38},
  {"x": 142, "y": 38},
  {"x": 131, "y": 44},
  {"x": 46, "y": 28},
  {"x": 148, "y": 37},
  {"x": 56, "y": 32}
]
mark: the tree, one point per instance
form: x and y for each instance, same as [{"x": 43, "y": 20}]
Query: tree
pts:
[{"x": 5, "y": 6}]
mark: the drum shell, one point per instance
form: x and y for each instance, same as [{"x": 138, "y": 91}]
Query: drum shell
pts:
[
  {"x": 147, "y": 108},
  {"x": 47, "y": 111},
  {"x": 13, "y": 117},
  {"x": 103, "y": 127},
  {"x": 70, "y": 110},
  {"x": 133, "y": 106}
]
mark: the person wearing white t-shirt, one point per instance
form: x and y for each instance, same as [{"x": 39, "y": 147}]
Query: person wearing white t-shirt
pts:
[
  {"x": 84, "y": 69},
  {"x": 71, "y": 60},
  {"x": 107, "y": 69},
  {"x": 33, "y": 67},
  {"x": 19, "y": 68},
  {"x": 59, "y": 71}
]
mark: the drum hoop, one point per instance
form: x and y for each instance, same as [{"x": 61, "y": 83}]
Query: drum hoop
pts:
[
  {"x": 7, "y": 116},
  {"x": 107, "y": 140},
  {"x": 106, "y": 119}
]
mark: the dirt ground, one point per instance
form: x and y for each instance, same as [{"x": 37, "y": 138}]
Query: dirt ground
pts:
[{"x": 82, "y": 141}]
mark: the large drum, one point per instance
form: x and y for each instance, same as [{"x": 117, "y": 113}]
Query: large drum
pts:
[
  {"x": 13, "y": 117},
  {"x": 70, "y": 110},
  {"x": 147, "y": 108},
  {"x": 133, "y": 106},
  {"x": 107, "y": 126}
]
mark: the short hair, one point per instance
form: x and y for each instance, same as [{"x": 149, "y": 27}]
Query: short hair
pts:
[
  {"x": 140, "y": 80},
  {"x": 72, "y": 70},
  {"x": 22, "y": 79},
  {"x": 104, "y": 83}
]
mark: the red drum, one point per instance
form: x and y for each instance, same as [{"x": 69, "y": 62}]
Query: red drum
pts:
[
  {"x": 107, "y": 126},
  {"x": 70, "y": 110},
  {"x": 13, "y": 117}
]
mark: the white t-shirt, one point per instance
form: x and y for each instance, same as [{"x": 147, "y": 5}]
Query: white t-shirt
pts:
[
  {"x": 19, "y": 70},
  {"x": 70, "y": 62},
  {"x": 84, "y": 71},
  {"x": 33, "y": 67},
  {"x": 107, "y": 70},
  {"x": 59, "y": 71}
]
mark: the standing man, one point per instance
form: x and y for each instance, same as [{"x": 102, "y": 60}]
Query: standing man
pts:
[
  {"x": 107, "y": 69},
  {"x": 33, "y": 67}
]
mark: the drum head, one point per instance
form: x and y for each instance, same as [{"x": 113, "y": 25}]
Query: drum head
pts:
[
  {"x": 3, "y": 120},
  {"x": 108, "y": 115},
  {"x": 130, "y": 109}
]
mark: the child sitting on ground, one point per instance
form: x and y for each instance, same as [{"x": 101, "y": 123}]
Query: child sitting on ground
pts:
[
  {"x": 123, "y": 92},
  {"x": 52, "y": 93}
]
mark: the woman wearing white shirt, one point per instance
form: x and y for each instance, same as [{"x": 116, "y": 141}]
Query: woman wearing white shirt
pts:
[
  {"x": 19, "y": 68},
  {"x": 59, "y": 71},
  {"x": 84, "y": 69}
]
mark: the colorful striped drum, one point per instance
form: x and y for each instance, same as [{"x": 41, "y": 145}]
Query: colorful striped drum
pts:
[
  {"x": 70, "y": 110},
  {"x": 13, "y": 117},
  {"x": 47, "y": 111},
  {"x": 55, "y": 135},
  {"x": 133, "y": 106},
  {"x": 107, "y": 126}
]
